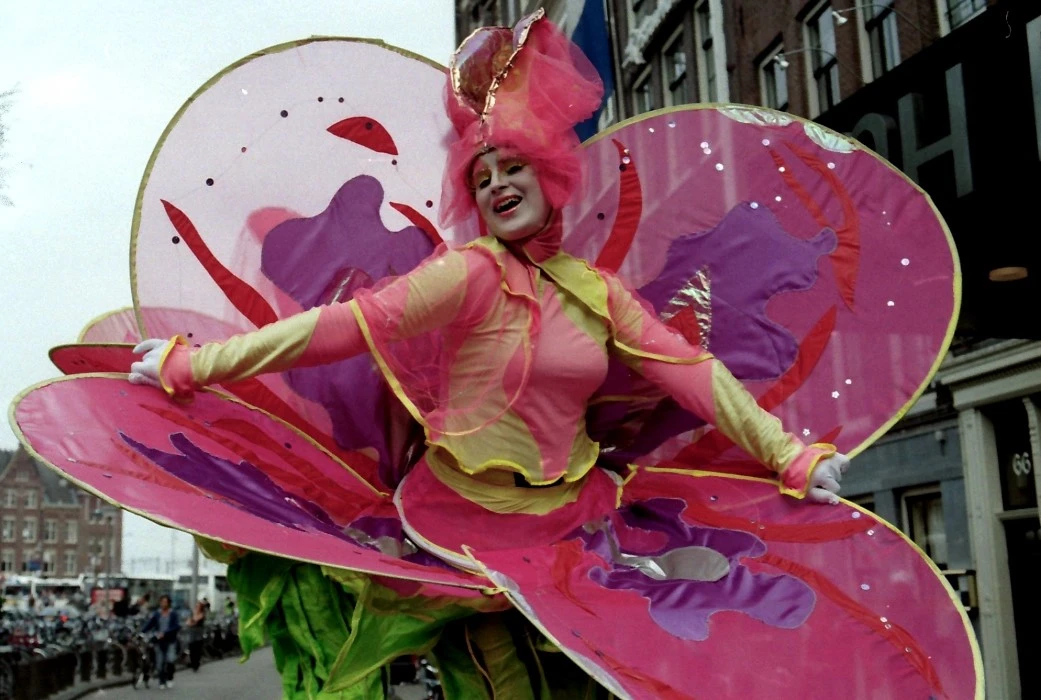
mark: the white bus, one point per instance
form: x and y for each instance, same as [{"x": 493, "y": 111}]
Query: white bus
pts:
[{"x": 44, "y": 592}]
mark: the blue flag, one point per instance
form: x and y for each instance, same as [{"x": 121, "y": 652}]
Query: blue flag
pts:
[{"x": 591, "y": 34}]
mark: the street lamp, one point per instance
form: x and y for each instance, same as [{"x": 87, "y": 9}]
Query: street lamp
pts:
[
  {"x": 781, "y": 61},
  {"x": 840, "y": 16}
]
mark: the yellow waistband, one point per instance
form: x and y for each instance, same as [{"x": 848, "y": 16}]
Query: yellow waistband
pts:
[{"x": 496, "y": 490}]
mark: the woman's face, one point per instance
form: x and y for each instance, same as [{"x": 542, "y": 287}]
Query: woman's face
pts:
[{"x": 508, "y": 196}]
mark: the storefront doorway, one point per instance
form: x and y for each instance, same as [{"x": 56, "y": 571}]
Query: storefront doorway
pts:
[{"x": 1024, "y": 566}]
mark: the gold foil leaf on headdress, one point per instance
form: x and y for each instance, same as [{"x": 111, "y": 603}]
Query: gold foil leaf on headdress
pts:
[
  {"x": 478, "y": 62},
  {"x": 484, "y": 58}
]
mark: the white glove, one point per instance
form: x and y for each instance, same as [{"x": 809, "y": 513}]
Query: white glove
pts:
[
  {"x": 147, "y": 370},
  {"x": 824, "y": 482}
]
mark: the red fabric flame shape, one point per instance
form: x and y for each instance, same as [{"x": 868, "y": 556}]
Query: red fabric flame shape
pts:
[
  {"x": 702, "y": 514},
  {"x": 419, "y": 221},
  {"x": 895, "y": 635},
  {"x": 309, "y": 482},
  {"x": 686, "y": 322},
  {"x": 255, "y": 393},
  {"x": 846, "y": 256},
  {"x": 365, "y": 131},
  {"x": 810, "y": 351},
  {"x": 659, "y": 690},
  {"x": 627, "y": 220},
  {"x": 242, "y": 296},
  {"x": 567, "y": 558}
]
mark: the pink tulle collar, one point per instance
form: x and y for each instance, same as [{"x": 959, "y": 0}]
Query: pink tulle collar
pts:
[{"x": 543, "y": 245}]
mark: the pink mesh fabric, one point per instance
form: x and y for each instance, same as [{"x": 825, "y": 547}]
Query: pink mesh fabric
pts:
[{"x": 530, "y": 108}]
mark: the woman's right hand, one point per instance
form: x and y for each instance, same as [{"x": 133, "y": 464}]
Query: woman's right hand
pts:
[{"x": 147, "y": 370}]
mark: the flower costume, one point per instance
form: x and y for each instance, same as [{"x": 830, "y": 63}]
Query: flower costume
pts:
[{"x": 433, "y": 441}]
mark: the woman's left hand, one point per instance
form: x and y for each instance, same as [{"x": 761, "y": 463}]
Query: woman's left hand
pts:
[
  {"x": 146, "y": 371},
  {"x": 824, "y": 482}
]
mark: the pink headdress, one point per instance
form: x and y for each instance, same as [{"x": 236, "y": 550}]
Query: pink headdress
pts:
[{"x": 520, "y": 90}]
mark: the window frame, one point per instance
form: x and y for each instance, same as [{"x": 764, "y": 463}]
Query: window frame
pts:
[
  {"x": 921, "y": 494},
  {"x": 880, "y": 22},
  {"x": 677, "y": 41},
  {"x": 943, "y": 10},
  {"x": 770, "y": 61},
  {"x": 705, "y": 53},
  {"x": 817, "y": 67},
  {"x": 644, "y": 80}
]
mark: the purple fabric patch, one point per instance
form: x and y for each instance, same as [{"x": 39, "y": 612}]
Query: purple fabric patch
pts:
[
  {"x": 239, "y": 484},
  {"x": 749, "y": 258},
  {"x": 327, "y": 258},
  {"x": 246, "y": 487},
  {"x": 683, "y": 607}
]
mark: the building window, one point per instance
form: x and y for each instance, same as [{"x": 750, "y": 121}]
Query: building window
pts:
[
  {"x": 773, "y": 82},
  {"x": 867, "y": 502},
  {"x": 50, "y": 562},
  {"x": 820, "y": 40},
  {"x": 31, "y": 499},
  {"x": 71, "y": 531},
  {"x": 21, "y": 475},
  {"x": 1015, "y": 463},
  {"x": 706, "y": 52},
  {"x": 880, "y": 23},
  {"x": 482, "y": 14},
  {"x": 70, "y": 564},
  {"x": 29, "y": 530},
  {"x": 923, "y": 521},
  {"x": 643, "y": 93},
  {"x": 641, "y": 8},
  {"x": 50, "y": 530},
  {"x": 674, "y": 70},
  {"x": 7, "y": 560},
  {"x": 511, "y": 12},
  {"x": 10, "y": 498},
  {"x": 8, "y": 533},
  {"x": 958, "y": 12}
]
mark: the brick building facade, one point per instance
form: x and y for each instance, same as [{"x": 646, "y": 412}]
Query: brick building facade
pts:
[
  {"x": 676, "y": 51},
  {"x": 50, "y": 527}
]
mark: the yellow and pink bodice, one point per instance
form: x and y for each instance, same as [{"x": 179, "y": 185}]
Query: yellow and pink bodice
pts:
[{"x": 497, "y": 353}]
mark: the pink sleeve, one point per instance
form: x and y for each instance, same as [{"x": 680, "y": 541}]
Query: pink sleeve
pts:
[
  {"x": 702, "y": 385},
  {"x": 429, "y": 296}
]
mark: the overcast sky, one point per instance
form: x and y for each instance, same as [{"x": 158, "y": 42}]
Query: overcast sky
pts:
[{"x": 97, "y": 83}]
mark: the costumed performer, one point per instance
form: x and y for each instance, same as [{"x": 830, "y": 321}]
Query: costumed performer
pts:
[{"x": 496, "y": 348}]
